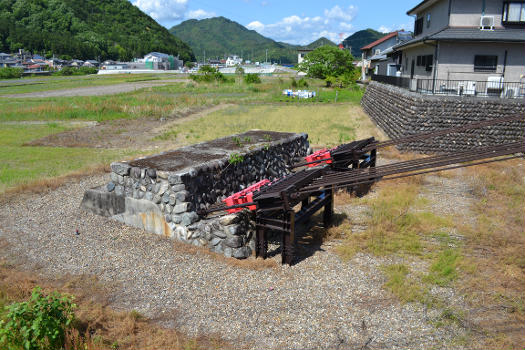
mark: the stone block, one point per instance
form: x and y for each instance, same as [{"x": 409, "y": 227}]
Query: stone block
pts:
[
  {"x": 120, "y": 168},
  {"x": 180, "y": 208}
]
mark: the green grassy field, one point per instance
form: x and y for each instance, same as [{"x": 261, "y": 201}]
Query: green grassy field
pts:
[
  {"x": 21, "y": 164},
  {"x": 259, "y": 106}
]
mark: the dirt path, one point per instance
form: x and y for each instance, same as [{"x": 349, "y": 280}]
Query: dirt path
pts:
[
  {"x": 90, "y": 90},
  {"x": 125, "y": 133}
]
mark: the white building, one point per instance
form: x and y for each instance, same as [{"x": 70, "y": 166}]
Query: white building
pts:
[{"x": 233, "y": 61}]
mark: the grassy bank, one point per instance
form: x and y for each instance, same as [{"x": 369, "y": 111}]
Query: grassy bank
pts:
[
  {"x": 21, "y": 164},
  {"x": 326, "y": 125}
]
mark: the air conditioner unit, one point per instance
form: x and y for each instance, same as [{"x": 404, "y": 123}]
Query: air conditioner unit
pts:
[{"x": 486, "y": 23}]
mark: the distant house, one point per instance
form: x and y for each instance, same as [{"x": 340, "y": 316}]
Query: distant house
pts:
[
  {"x": 55, "y": 63},
  {"x": 301, "y": 53},
  {"x": 7, "y": 60},
  {"x": 91, "y": 63},
  {"x": 76, "y": 63},
  {"x": 158, "y": 60},
  {"x": 469, "y": 47},
  {"x": 112, "y": 65},
  {"x": 233, "y": 61},
  {"x": 374, "y": 59}
]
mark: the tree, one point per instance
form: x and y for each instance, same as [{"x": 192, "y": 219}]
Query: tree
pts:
[{"x": 327, "y": 61}]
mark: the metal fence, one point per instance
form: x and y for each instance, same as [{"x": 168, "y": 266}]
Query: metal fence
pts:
[
  {"x": 391, "y": 80},
  {"x": 491, "y": 88}
]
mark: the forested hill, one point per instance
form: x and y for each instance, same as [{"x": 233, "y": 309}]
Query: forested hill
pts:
[
  {"x": 84, "y": 29},
  {"x": 220, "y": 37},
  {"x": 322, "y": 41},
  {"x": 360, "y": 39}
]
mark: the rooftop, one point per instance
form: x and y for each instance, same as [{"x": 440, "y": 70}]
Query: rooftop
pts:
[
  {"x": 469, "y": 34},
  {"x": 379, "y": 41}
]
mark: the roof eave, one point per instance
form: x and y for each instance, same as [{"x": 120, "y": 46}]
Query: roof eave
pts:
[{"x": 421, "y": 6}]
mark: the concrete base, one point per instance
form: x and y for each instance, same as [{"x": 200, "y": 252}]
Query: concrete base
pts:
[{"x": 139, "y": 213}]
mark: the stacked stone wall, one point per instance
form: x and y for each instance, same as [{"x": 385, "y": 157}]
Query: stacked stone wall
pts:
[
  {"x": 400, "y": 112},
  {"x": 167, "y": 202}
]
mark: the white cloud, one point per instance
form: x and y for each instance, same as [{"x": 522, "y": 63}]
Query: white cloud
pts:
[
  {"x": 343, "y": 14},
  {"x": 345, "y": 26},
  {"x": 297, "y": 29},
  {"x": 255, "y": 25},
  {"x": 199, "y": 14},
  {"x": 394, "y": 27},
  {"x": 163, "y": 10},
  {"x": 383, "y": 29}
]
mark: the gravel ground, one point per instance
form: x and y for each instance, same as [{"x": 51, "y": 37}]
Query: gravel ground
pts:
[{"x": 321, "y": 302}]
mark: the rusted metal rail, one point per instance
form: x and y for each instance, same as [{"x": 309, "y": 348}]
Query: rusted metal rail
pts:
[{"x": 349, "y": 166}]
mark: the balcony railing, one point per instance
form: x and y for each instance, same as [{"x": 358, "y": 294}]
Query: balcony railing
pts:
[
  {"x": 485, "y": 88},
  {"x": 496, "y": 88},
  {"x": 391, "y": 80}
]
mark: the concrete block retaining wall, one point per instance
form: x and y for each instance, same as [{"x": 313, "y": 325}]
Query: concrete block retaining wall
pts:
[
  {"x": 400, "y": 112},
  {"x": 152, "y": 194}
]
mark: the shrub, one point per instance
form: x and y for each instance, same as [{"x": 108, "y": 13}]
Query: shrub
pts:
[
  {"x": 87, "y": 70},
  {"x": 66, "y": 71},
  {"x": 236, "y": 158},
  {"x": 239, "y": 70},
  {"x": 39, "y": 323},
  {"x": 302, "y": 83},
  {"x": 251, "y": 78},
  {"x": 208, "y": 75},
  {"x": 330, "y": 81},
  {"x": 293, "y": 82},
  {"x": 10, "y": 73}
]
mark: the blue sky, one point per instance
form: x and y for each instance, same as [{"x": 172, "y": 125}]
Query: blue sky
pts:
[{"x": 292, "y": 21}]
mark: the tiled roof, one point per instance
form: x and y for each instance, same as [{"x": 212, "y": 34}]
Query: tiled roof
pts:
[
  {"x": 379, "y": 41},
  {"x": 470, "y": 34}
]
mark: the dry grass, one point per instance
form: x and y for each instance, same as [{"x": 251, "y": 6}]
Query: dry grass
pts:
[
  {"x": 97, "y": 325},
  {"x": 393, "y": 227},
  {"x": 494, "y": 268},
  {"x": 487, "y": 266}
]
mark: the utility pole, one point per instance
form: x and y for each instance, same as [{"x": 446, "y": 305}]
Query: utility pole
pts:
[{"x": 266, "y": 56}]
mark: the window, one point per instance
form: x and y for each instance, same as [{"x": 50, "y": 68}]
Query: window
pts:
[
  {"x": 418, "y": 26},
  {"x": 484, "y": 63},
  {"x": 513, "y": 12},
  {"x": 428, "y": 20},
  {"x": 425, "y": 61}
]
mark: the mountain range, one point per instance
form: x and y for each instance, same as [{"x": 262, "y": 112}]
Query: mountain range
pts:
[
  {"x": 84, "y": 29},
  {"x": 219, "y": 37},
  {"x": 116, "y": 29}
]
